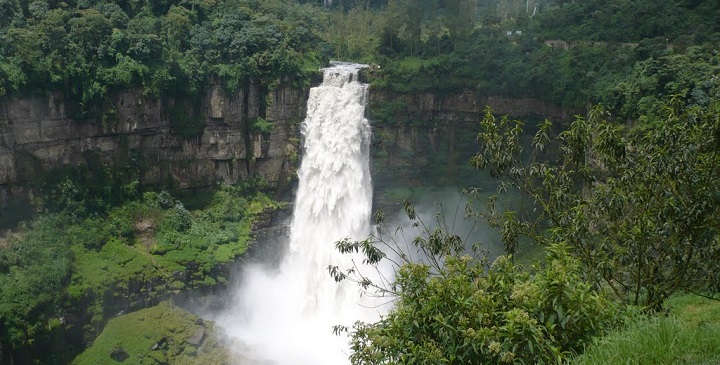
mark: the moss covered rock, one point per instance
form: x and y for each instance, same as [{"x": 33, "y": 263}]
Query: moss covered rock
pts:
[{"x": 163, "y": 334}]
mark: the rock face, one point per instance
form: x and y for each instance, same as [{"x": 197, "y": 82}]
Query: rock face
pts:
[
  {"x": 426, "y": 138},
  {"x": 36, "y": 134},
  {"x": 437, "y": 106}
]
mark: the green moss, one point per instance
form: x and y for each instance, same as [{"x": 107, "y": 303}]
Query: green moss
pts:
[
  {"x": 165, "y": 328},
  {"x": 115, "y": 263}
]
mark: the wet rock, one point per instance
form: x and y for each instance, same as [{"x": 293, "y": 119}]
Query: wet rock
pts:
[
  {"x": 196, "y": 339},
  {"x": 160, "y": 345},
  {"x": 119, "y": 354}
]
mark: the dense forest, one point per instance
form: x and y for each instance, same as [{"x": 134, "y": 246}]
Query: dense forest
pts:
[
  {"x": 624, "y": 198},
  {"x": 90, "y": 50},
  {"x": 565, "y": 52}
]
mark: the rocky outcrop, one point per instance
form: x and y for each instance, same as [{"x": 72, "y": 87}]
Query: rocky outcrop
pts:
[
  {"x": 36, "y": 134},
  {"x": 162, "y": 334}
]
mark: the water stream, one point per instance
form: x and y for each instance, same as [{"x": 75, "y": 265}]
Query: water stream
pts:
[{"x": 284, "y": 315}]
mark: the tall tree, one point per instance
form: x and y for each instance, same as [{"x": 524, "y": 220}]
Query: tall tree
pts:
[
  {"x": 640, "y": 207},
  {"x": 407, "y": 17},
  {"x": 460, "y": 17}
]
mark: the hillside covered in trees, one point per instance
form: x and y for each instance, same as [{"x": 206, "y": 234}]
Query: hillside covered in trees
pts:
[
  {"x": 89, "y": 49},
  {"x": 625, "y": 198},
  {"x": 566, "y": 52},
  {"x": 570, "y": 53}
]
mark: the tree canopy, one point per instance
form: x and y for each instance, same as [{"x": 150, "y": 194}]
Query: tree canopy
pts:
[
  {"x": 640, "y": 207},
  {"x": 90, "y": 49}
]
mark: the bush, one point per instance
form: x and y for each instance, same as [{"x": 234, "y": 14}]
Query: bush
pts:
[
  {"x": 261, "y": 126},
  {"x": 471, "y": 314}
]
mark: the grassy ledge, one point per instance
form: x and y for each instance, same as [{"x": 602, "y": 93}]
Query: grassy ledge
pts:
[{"x": 690, "y": 334}]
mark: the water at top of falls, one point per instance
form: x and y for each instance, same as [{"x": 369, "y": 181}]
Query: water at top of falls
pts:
[{"x": 284, "y": 316}]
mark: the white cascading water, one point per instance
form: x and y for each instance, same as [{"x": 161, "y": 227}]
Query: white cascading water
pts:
[{"x": 285, "y": 316}]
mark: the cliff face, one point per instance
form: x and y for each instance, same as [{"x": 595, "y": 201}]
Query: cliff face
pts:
[
  {"x": 426, "y": 138},
  {"x": 36, "y": 134},
  {"x": 430, "y": 106},
  {"x": 430, "y": 135}
]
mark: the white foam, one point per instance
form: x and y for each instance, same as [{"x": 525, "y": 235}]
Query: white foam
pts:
[{"x": 285, "y": 316}]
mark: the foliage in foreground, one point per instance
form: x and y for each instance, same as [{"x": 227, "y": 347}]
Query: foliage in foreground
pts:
[
  {"x": 154, "y": 335},
  {"x": 455, "y": 309},
  {"x": 640, "y": 208},
  {"x": 65, "y": 274},
  {"x": 689, "y": 335},
  {"x": 637, "y": 212}
]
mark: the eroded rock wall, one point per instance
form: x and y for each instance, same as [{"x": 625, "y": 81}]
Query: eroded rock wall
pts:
[
  {"x": 36, "y": 134},
  {"x": 426, "y": 138},
  {"x": 429, "y": 134}
]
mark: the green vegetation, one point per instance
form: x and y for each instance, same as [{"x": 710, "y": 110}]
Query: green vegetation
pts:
[
  {"x": 93, "y": 187},
  {"x": 261, "y": 126},
  {"x": 689, "y": 335},
  {"x": 625, "y": 200},
  {"x": 569, "y": 53},
  {"x": 639, "y": 207},
  {"x": 467, "y": 312},
  {"x": 67, "y": 274},
  {"x": 629, "y": 218},
  {"x": 34, "y": 271},
  {"x": 491, "y": 64},
  {"x": 160, "y": 334},
  {"x": 630, "y": 190},
  {"x": 88, "y": 50}
]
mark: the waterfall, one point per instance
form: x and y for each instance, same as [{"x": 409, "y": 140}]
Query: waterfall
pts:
[{"x": 284, "y": 316}]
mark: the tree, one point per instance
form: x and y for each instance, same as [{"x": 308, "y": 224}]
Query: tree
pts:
[
  {"x": 176, "y": 28},
  {"x": 691, "y": 73},
  {"x": 10, "y": 11},
  {"x": 451, "y": 308},
  {"x": 406, "y": 17},
  {"x": 90, "y": 30},
  {"x": 640, "y": 207},
  {"x": 33, "y": 273},
  {"x": 354, "y": 33},
  {"x": 460, "y": 17}
]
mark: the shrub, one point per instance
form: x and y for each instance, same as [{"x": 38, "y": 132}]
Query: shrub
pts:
[
  {"x": 469, "y": 313},
  {"x": 261, "y": 126}
]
